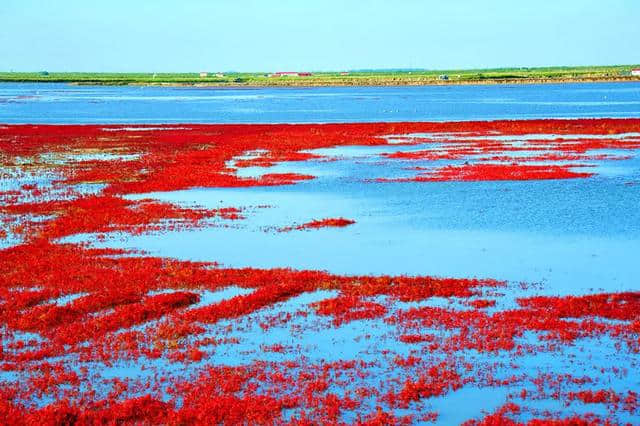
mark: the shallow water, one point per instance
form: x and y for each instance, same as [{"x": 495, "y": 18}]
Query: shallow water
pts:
[
  {"x": 576, "y": 236},
  {"x": 63, "y": 103}
]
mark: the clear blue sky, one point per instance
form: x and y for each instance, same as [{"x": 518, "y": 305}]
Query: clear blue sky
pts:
[{"x": 248, "y": 35}]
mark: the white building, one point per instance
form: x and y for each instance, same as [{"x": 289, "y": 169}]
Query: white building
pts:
[{"x": 635, "y": 71}]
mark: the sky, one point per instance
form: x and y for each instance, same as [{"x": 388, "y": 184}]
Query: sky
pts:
[{"x": 327, "y": 35}]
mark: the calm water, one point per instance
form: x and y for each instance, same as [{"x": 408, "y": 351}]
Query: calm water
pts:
[
  {"x": 575, "y": 236},
  {"x": 63, "y": 103}
]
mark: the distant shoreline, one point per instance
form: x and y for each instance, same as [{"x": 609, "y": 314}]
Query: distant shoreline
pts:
[
  {"x": 355, "y": 83},
  {"x": 497, "y": 76},
  {"x": 303, "y": 84}
]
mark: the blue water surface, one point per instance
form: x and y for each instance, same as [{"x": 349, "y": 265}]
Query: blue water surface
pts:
[{"x": 65, "y": 103}]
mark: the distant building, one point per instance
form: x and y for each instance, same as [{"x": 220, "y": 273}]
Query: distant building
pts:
[
  {"x": 203, "y": 74},
  {"x": 219, "y": 74},
  {"x": 443, "y": 77},
  {"x": 344, "y": 73},
  {"x": 290, "y": 74},
  {"x": 635, "y": 71}
]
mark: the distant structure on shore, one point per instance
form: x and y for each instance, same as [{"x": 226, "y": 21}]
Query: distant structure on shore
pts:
[
  {"x": 635, "y": 71},
  {"x": 204, "y": 74},
  {"x": 290, "y": 74}
]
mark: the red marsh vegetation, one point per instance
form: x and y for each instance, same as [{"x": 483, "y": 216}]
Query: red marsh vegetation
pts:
[{"x": 109, "y": 336}]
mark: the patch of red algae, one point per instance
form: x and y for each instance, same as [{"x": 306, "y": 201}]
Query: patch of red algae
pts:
[
  {"x": 338, "y": 222},
  {"x": 349, "y": 308},
  {"x": 122, "y": 308},
  {"x": 269, "y": 159},
  {"x": 98, "y": 214},
  {"x": 619, "y": 306},
  {"x": 596, "y": 397},
  {"x": 487, "y": 171},
  {"x": 178, "y": 157},
  {"x": 501, "y": 417},
  {"x": 437, "y": 381},
  {"x": 555, "y": 319},
  {"x": 482, "y": 303}
]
